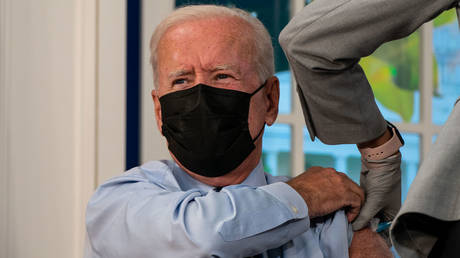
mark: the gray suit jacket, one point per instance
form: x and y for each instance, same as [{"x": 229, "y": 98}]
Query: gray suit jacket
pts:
[
  {"x": 324, "y": 43},
  {"x": 434, "y": 196}
]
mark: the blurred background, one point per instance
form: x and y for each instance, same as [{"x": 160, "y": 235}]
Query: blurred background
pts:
[{"x": 75, "y": 107}]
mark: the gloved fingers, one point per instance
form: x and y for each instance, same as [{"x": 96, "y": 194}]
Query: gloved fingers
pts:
[
  {"x": 393, "y": 203},
  {"x": 384, "y": 186},
  {"x": 381, "y": 181},
  {"x": 368, "y": 211},
  {"x": 385, "y": 202}
]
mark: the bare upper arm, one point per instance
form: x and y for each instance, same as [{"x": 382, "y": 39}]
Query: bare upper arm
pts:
[{"x": 368, "y": 244}]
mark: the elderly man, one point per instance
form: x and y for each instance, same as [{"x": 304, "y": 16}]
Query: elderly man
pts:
[{"x": 214, "y": 93}]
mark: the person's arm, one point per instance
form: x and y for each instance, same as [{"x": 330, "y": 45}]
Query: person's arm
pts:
[
  {"x": 368, "y": 244},
  {"x": 338, "y": 239},
  {"x": 324, "y": 43},
  {"x": 131, "y": 217}
]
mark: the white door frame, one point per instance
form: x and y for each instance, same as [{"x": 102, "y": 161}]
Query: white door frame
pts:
[{"x": 4, "y": 92}]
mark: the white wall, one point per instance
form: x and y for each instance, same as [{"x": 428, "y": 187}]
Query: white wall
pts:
[
  {"x": 61, "y": 111},
  {"x": 111, "y": 92}
]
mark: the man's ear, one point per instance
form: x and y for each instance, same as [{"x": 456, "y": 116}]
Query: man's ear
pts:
[
  {"x": 157, "y": 107},
  {"x": 272, "y": 96}
]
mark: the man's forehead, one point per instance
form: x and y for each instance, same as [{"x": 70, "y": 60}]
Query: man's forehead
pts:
[
  {"x": 227, "y": 26},
  {"x": 217, "y": 47}
]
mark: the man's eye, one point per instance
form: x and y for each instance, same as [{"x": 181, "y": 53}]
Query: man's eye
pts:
[
  {"x": 222, "y": 76},
  {"x": 179, "y": 81}
]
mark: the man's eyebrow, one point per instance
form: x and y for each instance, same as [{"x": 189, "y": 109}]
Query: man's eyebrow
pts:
[
  {"x": 216, "y": 68},
  {"x": 179, "y": 73}
]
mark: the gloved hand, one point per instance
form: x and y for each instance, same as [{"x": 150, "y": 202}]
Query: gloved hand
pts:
[{"x": 381, "y": 181}]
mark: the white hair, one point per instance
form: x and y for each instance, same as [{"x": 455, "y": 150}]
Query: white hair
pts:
[{"x": 262, "y": 41}]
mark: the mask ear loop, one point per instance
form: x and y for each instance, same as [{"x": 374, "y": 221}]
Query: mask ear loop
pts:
[
  {"x": 260, "y": 132},
  {"x": 252, "y": 94},
  {"x": 260, "y": 87}
]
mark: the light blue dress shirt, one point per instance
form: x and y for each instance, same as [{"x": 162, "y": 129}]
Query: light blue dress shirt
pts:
[{"x": 158, "y": 210}]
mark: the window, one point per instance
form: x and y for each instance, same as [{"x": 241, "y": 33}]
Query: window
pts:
[
  {"x": 417, "y": 93},
  {"x": 446, "y": 70}
]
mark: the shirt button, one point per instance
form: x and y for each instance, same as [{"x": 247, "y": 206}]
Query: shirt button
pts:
[{"x": 294, "y": 209}]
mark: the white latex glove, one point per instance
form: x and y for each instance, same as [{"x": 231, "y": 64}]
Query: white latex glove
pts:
[{"x": 381, "y": 181}]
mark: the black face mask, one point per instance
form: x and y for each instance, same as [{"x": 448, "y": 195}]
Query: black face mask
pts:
[{"x": 207, "y": 128}]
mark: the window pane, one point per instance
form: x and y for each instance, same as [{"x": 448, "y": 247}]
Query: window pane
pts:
[
  {"x": 393, "y": 73},
  {"x": 433, "y": 139},
  {"x": 344, "y": 158},
  {"x": 276, "y": 150},
  {"x": 446, "y": 47},
  {"x": 285, "y": 92},
  {"x": 410, "y": 163}
]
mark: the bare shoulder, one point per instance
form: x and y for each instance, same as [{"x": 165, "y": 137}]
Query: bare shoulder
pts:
[{"x": 369, "y": 244}]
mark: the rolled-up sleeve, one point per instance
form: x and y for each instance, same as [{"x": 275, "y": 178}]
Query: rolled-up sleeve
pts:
[{"x": 131, "y": 217}]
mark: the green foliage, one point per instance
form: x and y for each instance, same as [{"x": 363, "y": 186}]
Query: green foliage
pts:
[
  {"x": 403, "y": 55},
  {"x": 435, "y": 77},
  {"x": 394, "y": 67},
  {"x": 381, "y": 74},
  {"x": 445, "y": 18}
]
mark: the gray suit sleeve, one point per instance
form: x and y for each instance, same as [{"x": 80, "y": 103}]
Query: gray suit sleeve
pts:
[{"x": 324, "y": 43}]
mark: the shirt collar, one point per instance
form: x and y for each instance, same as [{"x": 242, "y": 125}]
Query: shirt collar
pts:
[{"x": 256, "y": 178}]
